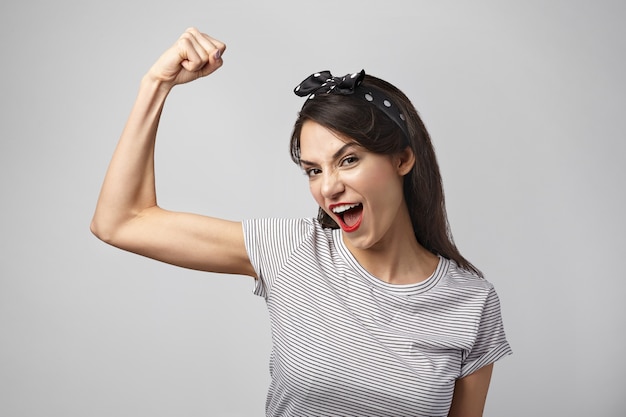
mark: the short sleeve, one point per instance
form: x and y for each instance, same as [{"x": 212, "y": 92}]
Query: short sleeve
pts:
[
  {"x": 490, "y": 344},
  {"x": 270, "y": 243}
]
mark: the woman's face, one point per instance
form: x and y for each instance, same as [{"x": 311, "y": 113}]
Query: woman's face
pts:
[{"x": 362, "y": 191}]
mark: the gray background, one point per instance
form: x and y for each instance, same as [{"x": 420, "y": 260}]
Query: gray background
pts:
[{"x": 525, "y": 102}]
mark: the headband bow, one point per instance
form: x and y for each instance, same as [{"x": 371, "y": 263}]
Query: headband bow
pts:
[{"x": 323, "y": 82}]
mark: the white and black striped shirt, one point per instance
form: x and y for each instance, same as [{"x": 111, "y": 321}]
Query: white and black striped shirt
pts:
[{"x": 348, "y": 344}]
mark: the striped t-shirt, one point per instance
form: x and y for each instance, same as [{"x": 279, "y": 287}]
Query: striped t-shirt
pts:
[{"x": 345, "y": 343}]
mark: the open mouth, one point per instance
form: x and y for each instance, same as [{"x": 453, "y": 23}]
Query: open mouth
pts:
[{"x": 349, "y": 215}]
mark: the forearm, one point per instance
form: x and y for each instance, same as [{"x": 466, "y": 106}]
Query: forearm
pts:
[{"x": 129, "y": 185}]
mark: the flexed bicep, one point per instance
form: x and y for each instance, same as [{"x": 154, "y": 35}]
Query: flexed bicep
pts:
[
  {"x": 188, "y": 240},
  {"x": 127, "y": 215}
]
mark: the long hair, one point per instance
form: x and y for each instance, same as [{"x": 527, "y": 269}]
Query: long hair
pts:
[{"x": 368, "y": 126}]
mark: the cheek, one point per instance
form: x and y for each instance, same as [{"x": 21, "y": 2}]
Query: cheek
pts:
[
  {"x": 384, "y": 187},
  {"x": 374, "y": 181}
]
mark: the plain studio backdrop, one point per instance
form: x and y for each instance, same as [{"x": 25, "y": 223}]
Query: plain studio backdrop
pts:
[{"x": 525, "y": 102}]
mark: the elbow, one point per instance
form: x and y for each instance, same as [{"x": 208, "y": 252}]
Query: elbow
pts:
[
  {"x": 97, "y": 230},
  {"x": 102, "y": 230},
  {"x": 114, "y": 229}
]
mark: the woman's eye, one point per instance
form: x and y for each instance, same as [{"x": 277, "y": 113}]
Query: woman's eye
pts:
[
  {"x": 349, "y": 160},
  {"x": 311, "y": 172}
]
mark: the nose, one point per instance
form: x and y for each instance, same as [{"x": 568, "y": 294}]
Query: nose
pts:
[{"x": 332, "y": 186}]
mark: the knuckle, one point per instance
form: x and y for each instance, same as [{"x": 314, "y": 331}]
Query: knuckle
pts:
[{"x": 182, "y": 43}]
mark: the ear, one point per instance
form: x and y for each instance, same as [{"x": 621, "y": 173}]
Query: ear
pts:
[{"x": 405, "y": 161}]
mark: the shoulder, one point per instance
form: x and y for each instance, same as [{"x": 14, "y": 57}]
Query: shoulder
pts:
[
  {"x": 466, "y": 285},
  {"x": 274, "y": 243},
  {"x": 282, "y": 227},
  {"x": 282, "y": 237},
  {"x": 462, "y": 278}
]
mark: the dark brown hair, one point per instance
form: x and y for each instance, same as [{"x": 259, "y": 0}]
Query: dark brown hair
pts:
[{"x": 368, "y": 126}]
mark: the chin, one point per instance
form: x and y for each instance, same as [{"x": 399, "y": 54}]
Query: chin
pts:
[{"x": 363, "y": 242}]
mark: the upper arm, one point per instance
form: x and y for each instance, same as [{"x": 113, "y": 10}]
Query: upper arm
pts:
[
  {"x": 183, "y": 239},
  {"x": 470, "y": 393}
]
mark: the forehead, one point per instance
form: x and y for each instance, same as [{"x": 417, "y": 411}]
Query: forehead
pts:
[{"x": 318, "y": 143}]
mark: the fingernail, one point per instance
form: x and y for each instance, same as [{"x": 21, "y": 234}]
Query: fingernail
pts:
[{"x": 218, "y": 54}]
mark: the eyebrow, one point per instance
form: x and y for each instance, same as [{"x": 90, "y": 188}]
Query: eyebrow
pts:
[{"x": 336, "y": 155}]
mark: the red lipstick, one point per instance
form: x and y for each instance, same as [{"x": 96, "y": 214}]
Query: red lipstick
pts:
[{"x": 353, "y": 210}]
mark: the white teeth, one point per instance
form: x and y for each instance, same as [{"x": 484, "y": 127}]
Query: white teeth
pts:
[{"x": 344, "y": 207}]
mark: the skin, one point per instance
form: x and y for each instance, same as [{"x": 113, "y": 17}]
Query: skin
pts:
[
  {"x": 127, "y": 215},
  {"x": 340, "y": 171},
  {"x": 470, "y": 393}
]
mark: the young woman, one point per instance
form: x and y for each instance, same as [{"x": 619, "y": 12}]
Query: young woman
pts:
[{"x": 374, "y": 312}]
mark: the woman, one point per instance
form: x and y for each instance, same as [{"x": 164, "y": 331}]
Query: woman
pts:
[{"x": 374, "y": 312}]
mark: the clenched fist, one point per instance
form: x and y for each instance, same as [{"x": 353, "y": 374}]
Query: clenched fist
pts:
[{"x": 194, "y": 55}]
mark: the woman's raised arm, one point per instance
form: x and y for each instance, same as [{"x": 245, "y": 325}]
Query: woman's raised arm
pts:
[{"x": 127, "y": 215}]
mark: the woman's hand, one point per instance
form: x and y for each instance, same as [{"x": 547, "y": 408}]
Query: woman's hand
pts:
[{"x": 194, "y": 55}]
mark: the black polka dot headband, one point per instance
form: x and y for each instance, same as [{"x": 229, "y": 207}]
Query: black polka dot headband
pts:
[{"x": 324, "y": 83}]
